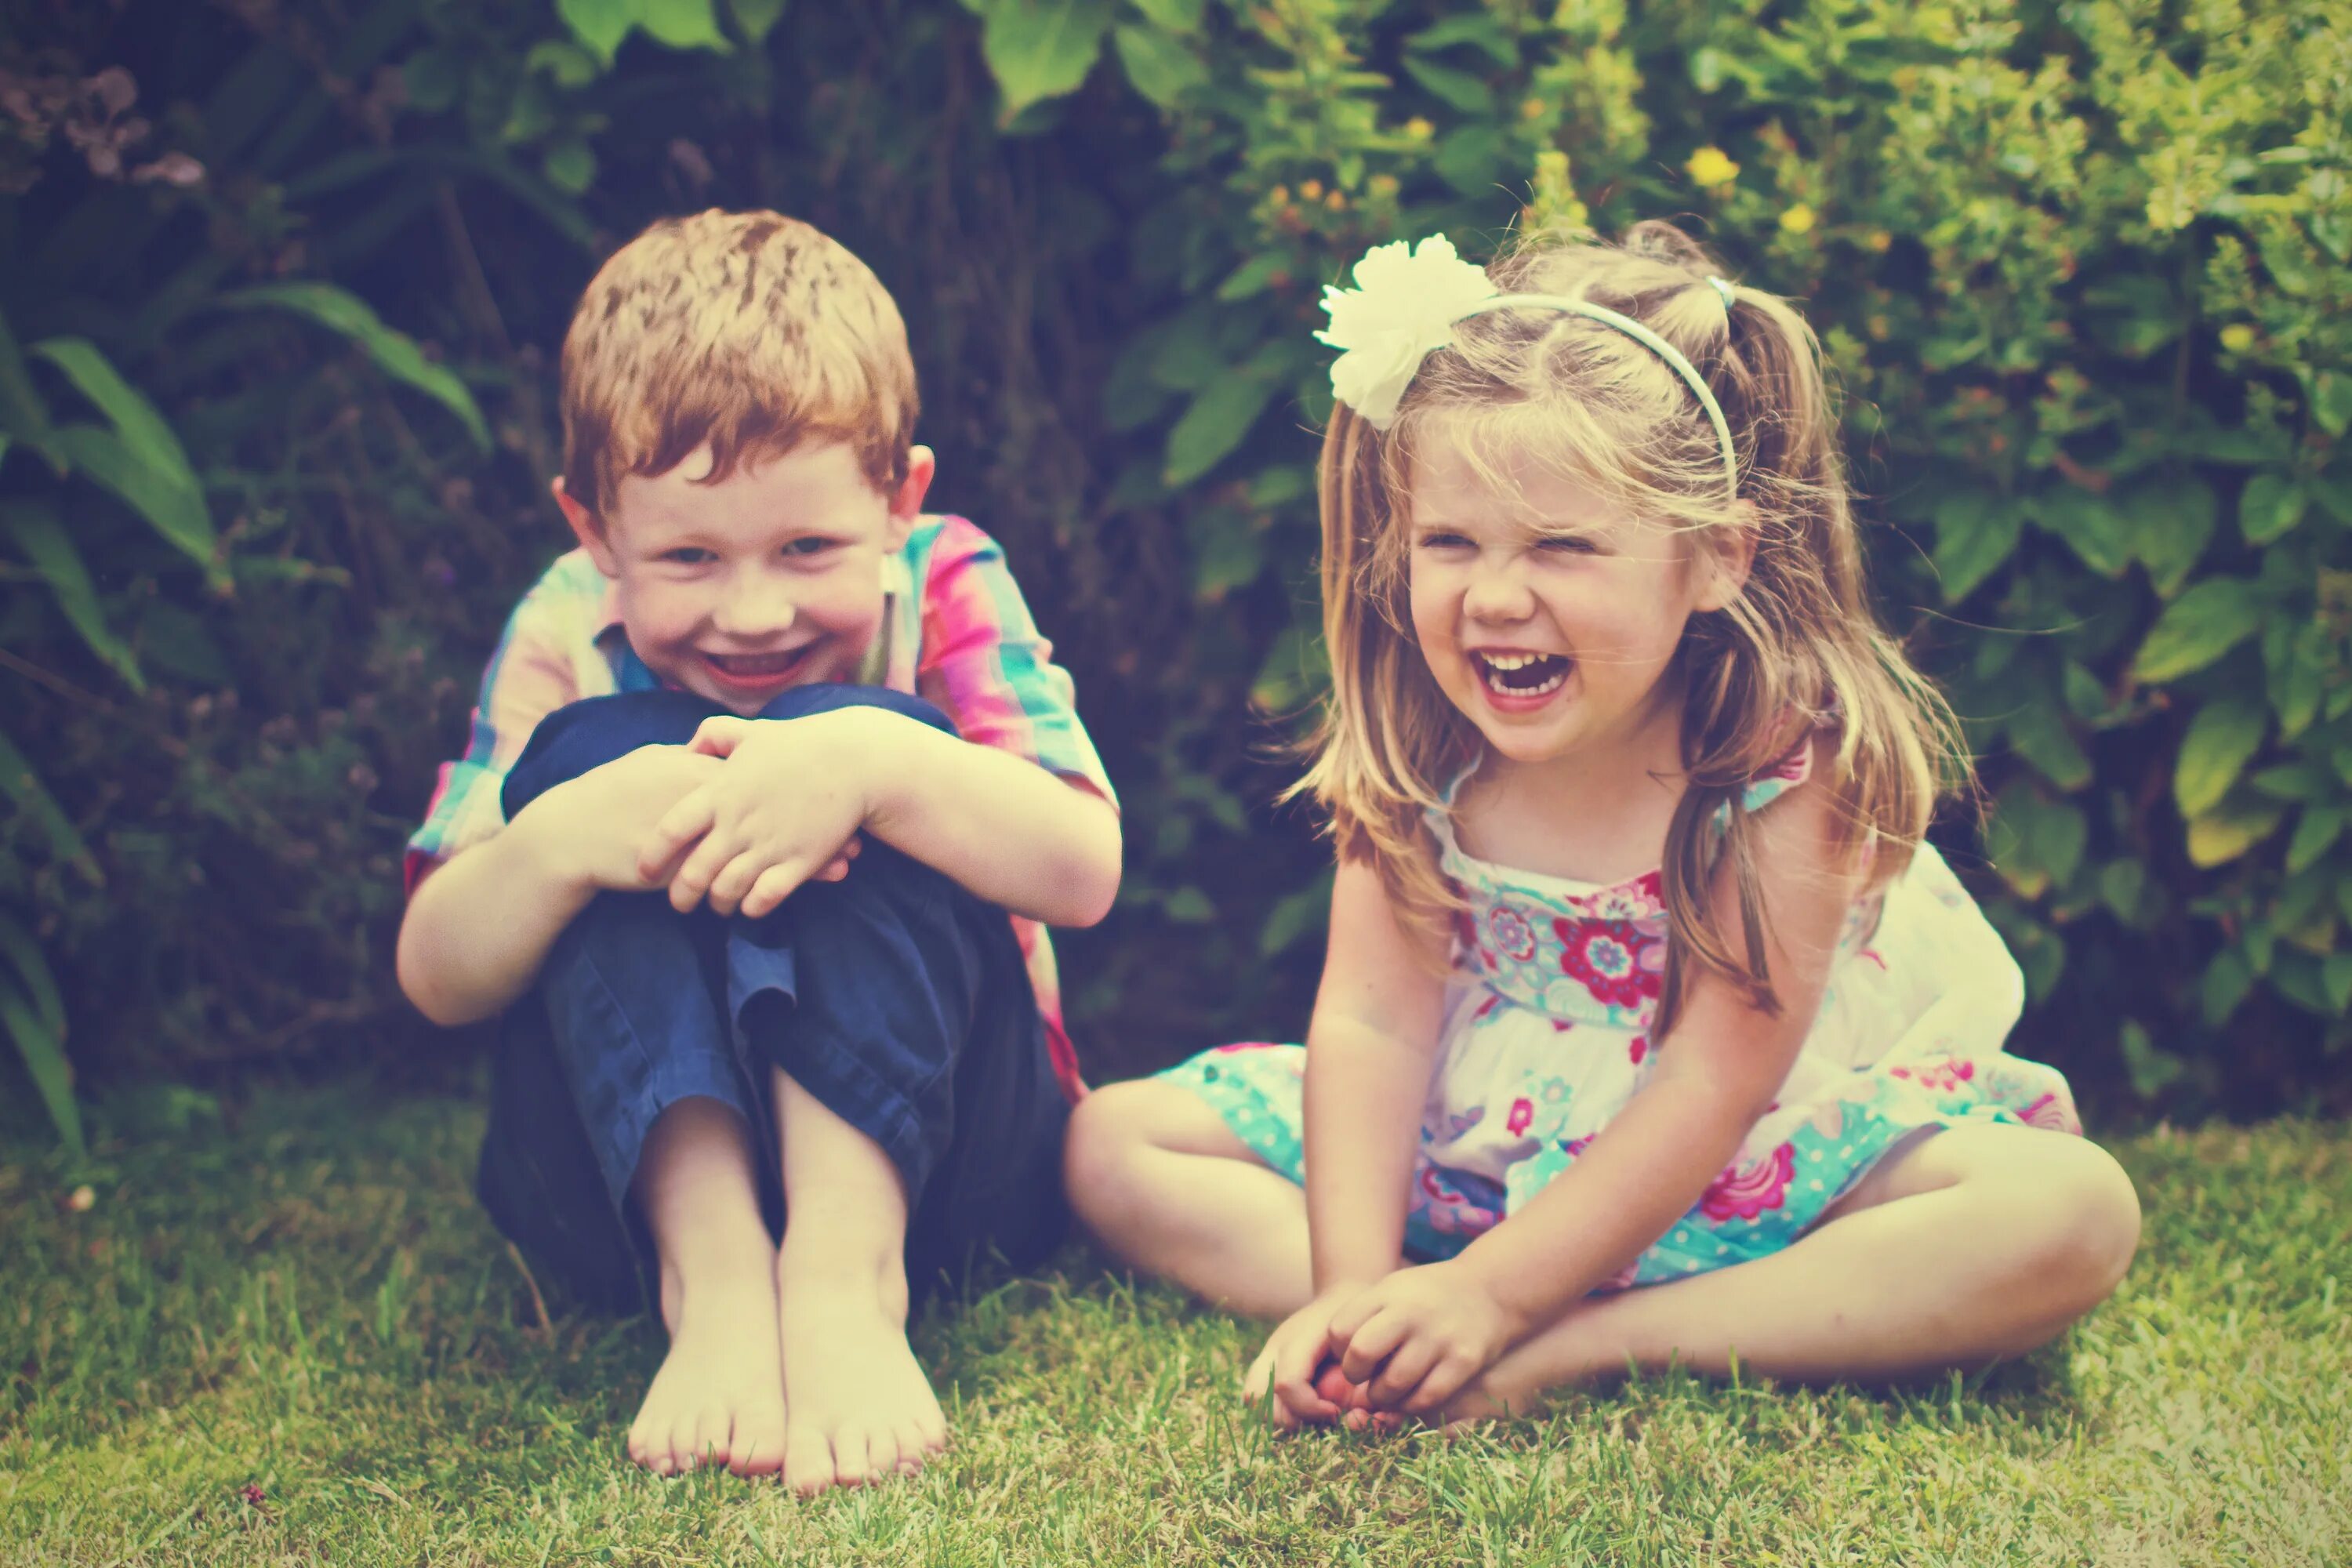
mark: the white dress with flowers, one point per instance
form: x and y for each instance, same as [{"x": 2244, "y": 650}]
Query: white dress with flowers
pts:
[{"x": 1547, "y": 1037}]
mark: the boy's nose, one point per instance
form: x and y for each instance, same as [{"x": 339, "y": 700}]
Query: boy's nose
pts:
[{"x": 752, "y": 607}]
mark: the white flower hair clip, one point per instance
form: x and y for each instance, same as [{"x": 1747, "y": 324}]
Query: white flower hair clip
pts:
[
  {"x": 1409, "y": 298},
  {"x": 1404, "y": 304}
]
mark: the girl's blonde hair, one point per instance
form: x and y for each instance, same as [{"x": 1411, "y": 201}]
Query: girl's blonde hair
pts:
[{"x": 1797, "y": 652}]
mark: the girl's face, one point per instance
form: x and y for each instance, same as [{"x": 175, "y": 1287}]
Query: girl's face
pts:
[{"x": 1548, "y": 616}]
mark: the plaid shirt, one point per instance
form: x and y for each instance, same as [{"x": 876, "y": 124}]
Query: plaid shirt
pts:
[{"x": 965, "y": 642}]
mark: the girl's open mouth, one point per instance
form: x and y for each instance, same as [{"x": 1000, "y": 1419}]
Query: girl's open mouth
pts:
[{"x": 1521, "y": 674}]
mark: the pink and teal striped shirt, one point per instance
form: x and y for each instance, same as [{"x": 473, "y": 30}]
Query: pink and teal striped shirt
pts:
[{"x": 963, "y": 641}]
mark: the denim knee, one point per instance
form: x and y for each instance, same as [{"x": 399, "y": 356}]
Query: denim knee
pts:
[
  {"x": 802, "y": 702},
  {"x": 585, "y": 735}
]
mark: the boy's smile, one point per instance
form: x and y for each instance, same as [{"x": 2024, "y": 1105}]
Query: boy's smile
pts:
[{"x": 769, "y": 578}]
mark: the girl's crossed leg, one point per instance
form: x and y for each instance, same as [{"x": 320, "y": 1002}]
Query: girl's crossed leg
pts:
[{"x": 1958, "y": 1249}]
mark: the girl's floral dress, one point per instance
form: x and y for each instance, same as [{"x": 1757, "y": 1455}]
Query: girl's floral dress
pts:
[{"x": 1547, "y": 1037}]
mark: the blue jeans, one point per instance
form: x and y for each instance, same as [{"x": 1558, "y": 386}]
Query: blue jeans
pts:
[{"x": 896, "y": 998}]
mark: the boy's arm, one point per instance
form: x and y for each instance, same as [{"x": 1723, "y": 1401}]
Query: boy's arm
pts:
[{"x": 479, "y": 925}]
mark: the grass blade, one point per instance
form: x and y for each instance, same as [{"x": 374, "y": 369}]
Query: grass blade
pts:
[
  {"x": 20, "y": 784},
  {"x": 41, "y": 985},
  {"x": 175, "y": 509},
  {"x": 53, "y": 556}
]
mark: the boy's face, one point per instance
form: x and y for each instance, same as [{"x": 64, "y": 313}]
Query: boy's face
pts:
[{"x": 769, "y": 578}]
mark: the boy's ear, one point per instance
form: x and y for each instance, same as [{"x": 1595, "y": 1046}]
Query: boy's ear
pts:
[
  {"x": 1726, "y": 561},
  {"x": 906, "y": 500},
  {"x": 585, "y": 527}
]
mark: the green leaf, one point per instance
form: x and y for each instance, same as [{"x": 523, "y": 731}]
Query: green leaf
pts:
[
  {"x": 2035, "y": 842},
  {"x": 2316, "y": 832},
  {"x": 2331, "y": 401},
  {"x": 599, "y": 25},
  {"x": 570, "y": 165},
  {"x": 2269, "y": 506},
  {"x": 2150, "y": 1071},
  {"x": 1176, "y": 15},
  {"x": 1253, "y": 277},
  {"x": 2088, "y": 525},
  {"x": 165, "y": 499},
  {"x": 682, "y": 25},
  {"x": 23, "y": 415},
  {"x": 37, "y": 532},
  {"x": 2225, "y": 733},
  {"x": 1976, "y": 530},
  {"x": 1459, "y": 88},
  {"x": 1039, "y": 49},
  {"x": 40, "y": 984},
  {"x": 1472, "y": 160},
  {"x": 1219, "y": 419},
  {"x": 1228, "y": 553},
  {"x": 1475, "y": 28},
  {"x": 756, "y": 18},
  {"x": 1295, "y": 917},
  {"x": 2227, "y": 982},
  {"x": 2336, "y": 975},
  {"x": 2220, "y": 837},
  {"x": 431, "y": 79},
  {"x": 2199, "y": 626},
  {"x": 392, "y": 351},
  {"x": 142, "y": 430},
  {"x": 2172, "y": 522},
  {"x": 1189, "y": 906},
  {"x": 44, "y": 1055},
  {"x": 2038, "y": 733},
  {"x": 20, "y": 784},
  {"x": 1163, "y": 68},
  {"x": 565, "y": 63}
]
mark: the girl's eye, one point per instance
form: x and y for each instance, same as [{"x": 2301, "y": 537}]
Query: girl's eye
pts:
[
  {"x": 1443, "y": 542},
  {"x": 1567, "y": 543}
]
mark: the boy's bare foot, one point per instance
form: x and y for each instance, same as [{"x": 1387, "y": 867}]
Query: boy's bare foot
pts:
[
  {"x": 718, "y": 1397},
  {"x": 861, "y": 1408}
]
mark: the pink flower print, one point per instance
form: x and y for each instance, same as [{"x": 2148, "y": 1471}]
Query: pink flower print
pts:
[
  {"x": 1639, "y": 900},
  {"x": 1245, "y": 1046},
  {"x": 1523, "y": 1110},
  {"x": 1748, "y": 1190},
  {"x": 1638, "y": 1050},
  {"x": 2051, "y": 1113},
  {"x": 1513, "y": 937},
  {"x": 1465, "y": 932},
  {"x": 1611, "y": 958},
  {"x": 1938, "y": 1075}
]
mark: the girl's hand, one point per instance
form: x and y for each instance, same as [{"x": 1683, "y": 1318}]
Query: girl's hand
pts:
[
  {"x": 1292, "y": 1355},
  {"x": 1413, "y": 1340}
]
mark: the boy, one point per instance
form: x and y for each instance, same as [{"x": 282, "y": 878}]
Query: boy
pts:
[{"x": 757, "y": 774}]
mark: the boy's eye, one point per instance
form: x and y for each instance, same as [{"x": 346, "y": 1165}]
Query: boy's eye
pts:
[
  {"x": 686, "y": 555},
  {"x": 810, "y": 544}
]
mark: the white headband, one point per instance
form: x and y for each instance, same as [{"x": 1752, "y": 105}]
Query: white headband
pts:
[{"x": 1405, "y": 303}]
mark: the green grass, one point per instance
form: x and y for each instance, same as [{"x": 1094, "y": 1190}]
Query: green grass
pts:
[{"x": 309, "y": 1305}]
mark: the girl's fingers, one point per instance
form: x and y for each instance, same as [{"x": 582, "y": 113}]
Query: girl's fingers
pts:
[
  {"x": 1445, "y": 1379},
  {"x": 681, "y": 825},
  {"x": 1373, "y": 1345},
  {"x": 717, "y": 737},
  {"x": 1403, "y": 1376}
]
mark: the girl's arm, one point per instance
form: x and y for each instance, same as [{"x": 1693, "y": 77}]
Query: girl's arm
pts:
[
  {"x": 1369, "y": 1053},
  {"x": 1370, "y": 1047},
  {"x": 1419, "y": 1336}
]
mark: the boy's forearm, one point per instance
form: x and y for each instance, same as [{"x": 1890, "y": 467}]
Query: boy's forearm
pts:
[
  {"x": 1001, "y": 826},
  {"x": 1362, "y": 1114},
  {"x": 479, "y": 926}
]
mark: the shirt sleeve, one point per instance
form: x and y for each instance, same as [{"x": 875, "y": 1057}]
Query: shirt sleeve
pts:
[
  {"x": 987, "y": 667},
  {"x": 529, "y": 675}
]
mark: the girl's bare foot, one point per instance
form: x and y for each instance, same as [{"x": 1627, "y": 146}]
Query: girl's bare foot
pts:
[
  {"x": 718, "y": 1397},
  {"x": 861, "y": 1408}
]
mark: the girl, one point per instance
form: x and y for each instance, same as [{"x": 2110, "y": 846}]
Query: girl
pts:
[{"x": 1651, "y": 1030}]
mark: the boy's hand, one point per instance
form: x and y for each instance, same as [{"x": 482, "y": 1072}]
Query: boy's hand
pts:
[
  {"x": 1413, "y": 1340},
  {"x": 600, "y": 820},
  {"x": 784, "y": 808}
]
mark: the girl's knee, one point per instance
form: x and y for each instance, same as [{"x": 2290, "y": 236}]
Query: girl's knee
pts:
[{"x": 2080, "y": 1219}]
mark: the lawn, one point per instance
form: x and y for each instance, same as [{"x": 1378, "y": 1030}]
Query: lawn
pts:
[{"x": 291, "y": 1339}]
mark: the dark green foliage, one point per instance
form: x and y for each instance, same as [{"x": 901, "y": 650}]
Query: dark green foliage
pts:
[{"x": 2081, "y": 272}]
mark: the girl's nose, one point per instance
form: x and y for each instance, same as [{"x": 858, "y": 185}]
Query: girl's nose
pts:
[{"x": 1497, "y": 593}]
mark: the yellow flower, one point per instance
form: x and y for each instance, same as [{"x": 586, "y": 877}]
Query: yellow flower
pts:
[
  {"x": 2237, "y": 337},
  {"x": 1336, "y": 200},
  {"x": 1533, "y": 109},
  {"x": 1798, "y": 219},
  {"x": 1279, "y": 196},
  {"x": 1382, "y": 185},
  {"x": 1711, "y": 166},
  {"x": 1310, "y": 190},
  {"x": 1880, "y": 240},
  {"x": 1419, "y": 128}
]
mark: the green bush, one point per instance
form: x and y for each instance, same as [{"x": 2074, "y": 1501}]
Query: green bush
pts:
[{"x": 2081, "y": 270}]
